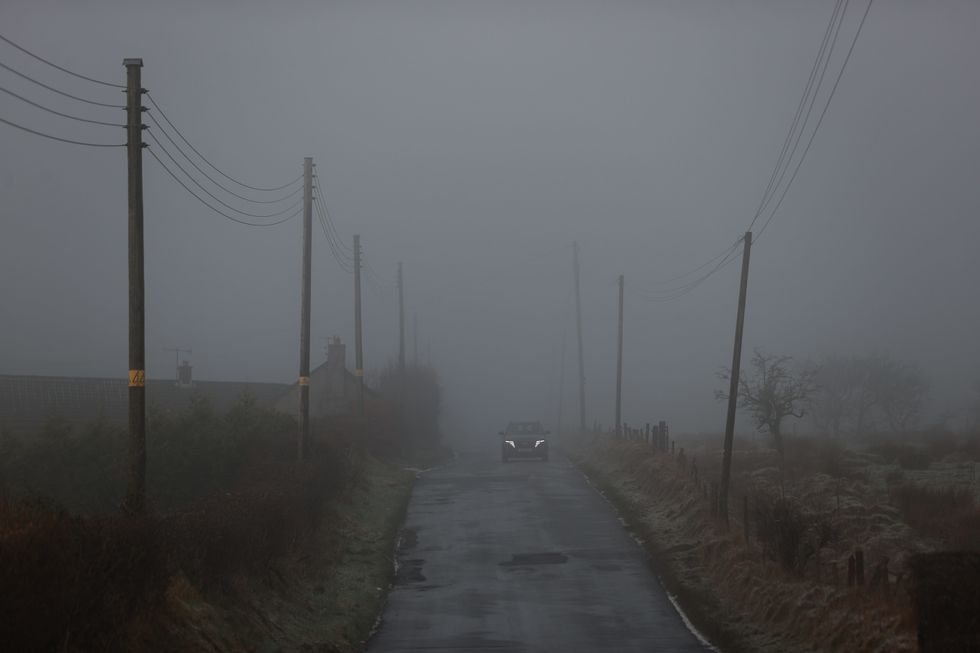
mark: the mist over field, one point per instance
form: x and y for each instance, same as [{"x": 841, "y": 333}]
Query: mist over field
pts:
[{"x": 475, "y": 141}]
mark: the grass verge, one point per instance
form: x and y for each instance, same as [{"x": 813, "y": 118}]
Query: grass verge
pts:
[
  {"x": 729, "y": 589},
  {"x": 326, "y": 596}
]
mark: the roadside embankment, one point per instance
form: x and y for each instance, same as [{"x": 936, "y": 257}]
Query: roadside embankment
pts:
[
  {"x": 742, "y": 595},
  {"x": 297, "y": 560}
]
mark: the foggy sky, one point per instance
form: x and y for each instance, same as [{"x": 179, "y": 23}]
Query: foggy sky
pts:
[{"x": 474, "y": 141}]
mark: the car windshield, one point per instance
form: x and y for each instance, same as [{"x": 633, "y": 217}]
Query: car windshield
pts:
[{"x": 524, "y": 428}]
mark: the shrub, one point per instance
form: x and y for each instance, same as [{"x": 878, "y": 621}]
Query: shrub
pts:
[{"x": 790, "y": 534}]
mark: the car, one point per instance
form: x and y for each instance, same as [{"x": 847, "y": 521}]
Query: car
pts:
[{"x": 524, "y": 440}]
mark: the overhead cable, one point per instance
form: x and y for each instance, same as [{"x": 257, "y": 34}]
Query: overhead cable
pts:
[
  {"x": 214, "y": 167},
  {"x": 58, "y": 113},
  {"x": 58, "y": 138},
  {"x": 835, "y": 19},
  {"x": 54, "y": 65},
  {"x": 216, "y": 210},
  {"x": 823, "y": 113},
  {"x": 211, "y": 179},
  {"x": 58, "y": 91},
  {"x": 215, "y": 197}
]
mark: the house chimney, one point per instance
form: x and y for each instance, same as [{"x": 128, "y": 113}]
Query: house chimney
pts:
[
  {"x": 184, "y": 378},
  {"x": 336, "y": 354}
]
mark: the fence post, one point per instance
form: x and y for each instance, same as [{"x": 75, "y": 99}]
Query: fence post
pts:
[
  {"x": 745, "y": 515},
  {"x": 859, "y": 567}
]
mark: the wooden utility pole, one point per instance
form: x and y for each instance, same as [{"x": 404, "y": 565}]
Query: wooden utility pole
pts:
[
  {"x": 401, "y": 320},
  {"x": 561, "y": 382},
  {"x": 415, "y": 338},
  {"x": 578, "y": 324},
  {"x": 726, "y": 465},
  {"x": 619, "y": 365},
  {"x": 358, "y": 333},
  {"x": 304, "y": 321},
  {"x": 135, "y": 502}
]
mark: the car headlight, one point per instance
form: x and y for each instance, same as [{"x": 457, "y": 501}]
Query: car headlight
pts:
[
  {"x": 538, "y": 443},
  {"x": 511, "y": 443}
]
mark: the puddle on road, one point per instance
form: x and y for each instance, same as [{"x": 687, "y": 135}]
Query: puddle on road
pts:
[{"x": 531, "y": 559}]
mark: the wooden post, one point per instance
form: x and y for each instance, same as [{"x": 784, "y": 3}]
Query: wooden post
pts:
[
  {"x": 358, "y": 335},
  {"x": 859, "y": 567},
  {"x": 619, "y": 362},
  {"x": 726, "y": 465},
  {"x": 135, "y": 502},
  {"x": 578, "y": 326},
  {"x": 304, "y": 321},
  {"x": 745, "y": 515}
]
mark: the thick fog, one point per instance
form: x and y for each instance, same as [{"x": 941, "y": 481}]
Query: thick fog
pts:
[{"x": 474, "y": 141}]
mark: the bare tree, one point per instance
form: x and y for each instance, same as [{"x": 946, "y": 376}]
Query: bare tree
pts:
[
  {"x": 899, "y": 390},
  {"x": 772, "y": 393},
  {"x": 856, "y": 393}
]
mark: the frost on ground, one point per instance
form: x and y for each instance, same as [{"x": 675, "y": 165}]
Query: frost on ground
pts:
[
  {"x": 741, "y": 594},
  {"x": 325, "y": 597}
]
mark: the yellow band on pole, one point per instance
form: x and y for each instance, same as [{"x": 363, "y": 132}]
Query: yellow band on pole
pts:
[
  {"x": 137, "y": 378},
  {"x": 358, "y": 372},
  {"x": 304, "y": 380}
]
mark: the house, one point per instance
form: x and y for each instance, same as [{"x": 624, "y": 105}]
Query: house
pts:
[
  {"x": 333, "y": 388},
  {"x": 28, "y": 402}
]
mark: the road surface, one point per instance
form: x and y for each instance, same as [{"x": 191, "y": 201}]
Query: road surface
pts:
[{"x": 522, "y": 556}]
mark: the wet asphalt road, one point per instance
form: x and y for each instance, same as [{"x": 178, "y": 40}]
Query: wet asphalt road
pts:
[{"x": 523, "y": 556}]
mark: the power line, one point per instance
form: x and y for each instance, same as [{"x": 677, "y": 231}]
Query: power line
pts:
[
  {"x": 58, "y": 138},
  {"x": 215, "y": 197},
  {"x": 54, "y": 65},
  {"x": 338, "y": 255},
  {"x": 331, "y": 223},
  {"x": 806, "y": 118},
  {"x": 214, "y": 167},
  {"x": 787, "y": 153},
  {"x": 680, "y": 291},
  {"x": 58, "y": 91},
  {"x": 58, "y": 113},
  {"x": 211, "y": 179},
  {"x": 823, "y": 113},
  {"x": 711, "y": 260},
  {"x": 799, "y": 112},
  {"x": 218, "y": 211}
]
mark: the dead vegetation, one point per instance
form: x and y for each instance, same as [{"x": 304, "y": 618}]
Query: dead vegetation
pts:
[
  {"x": 786, "y": 588},
  {"x": 234, "y": 520}
]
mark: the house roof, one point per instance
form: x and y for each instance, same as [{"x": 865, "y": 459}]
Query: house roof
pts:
[{"x": 26, "y": 398}]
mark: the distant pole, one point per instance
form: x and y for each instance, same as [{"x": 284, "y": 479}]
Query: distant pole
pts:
[
  {"x": 578, "y": 324},
  {"x": 726, "y": 465},
  {"x": 619, "y": 365},
  {"x": 415, "y": 338},
  {"x": 135, "y": 502},
  {"x": 561, "y": 382},
  {"x": 401, "y": 319},
  {"x": 304, "y": 322},
  {"x": 358, "y": 327}
]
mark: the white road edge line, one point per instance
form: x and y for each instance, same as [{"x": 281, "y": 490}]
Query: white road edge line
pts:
[{"x": 639, "y": 541}]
